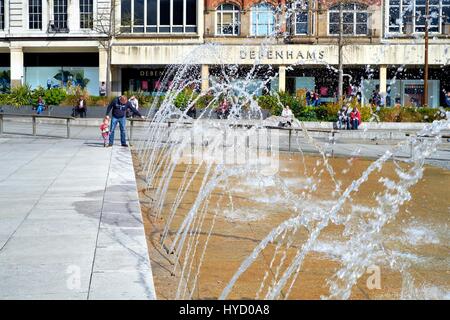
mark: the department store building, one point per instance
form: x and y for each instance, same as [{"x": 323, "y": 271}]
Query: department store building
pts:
[{"x": 53, "y": 42}]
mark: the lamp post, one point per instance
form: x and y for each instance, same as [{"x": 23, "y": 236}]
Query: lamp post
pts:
[
  {"x": 341, "y": 71},
  {"x": 425, "y": 73}
]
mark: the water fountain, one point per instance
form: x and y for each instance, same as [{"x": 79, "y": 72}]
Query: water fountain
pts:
[{"x": 194, "y": 168}]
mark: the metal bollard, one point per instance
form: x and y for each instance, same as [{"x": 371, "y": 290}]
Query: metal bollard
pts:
[
  {"x": 68, "y": 128},
  {"x": 34, "y": 125}
]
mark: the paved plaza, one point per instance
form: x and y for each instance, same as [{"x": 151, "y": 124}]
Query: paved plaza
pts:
[
  {"x": 70, "y": 222},
  {"x": 70, "y": 218}
]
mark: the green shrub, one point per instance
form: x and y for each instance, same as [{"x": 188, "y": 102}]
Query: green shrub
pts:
[
  {"x": 36, "y": 93},
  {"x": 390, "y": 114},
  {"x": 410, "y": 114},
  {"x": 270, "y": 103},
  {"x": 53, "y": 96},
  {"x": 430, "y": 114},
  {"x": 307, "y": 113},
  {"x": 102, "y": 101},
  {"x": 19, "y": 96},
  {"x": 70, "y": 100},
  {"x": 3, "y": 99},
  {"x": 367, "y": 112},
  {"x": 183, "y": 98},
  {"x": 143, "y": 98},
  {"x": 204, "y": 101},
  {"x": 294, "y": 104},
  {"x": 323, "y": 114}
]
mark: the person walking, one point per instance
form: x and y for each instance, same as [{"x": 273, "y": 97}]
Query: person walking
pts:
[
  {"x": 119, "y": 107},
  {"x": 102, "y": 89},
  {"x": 104, "y": 128}
]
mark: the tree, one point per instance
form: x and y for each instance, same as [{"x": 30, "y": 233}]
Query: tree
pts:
[{"x": 104, "y": 24}]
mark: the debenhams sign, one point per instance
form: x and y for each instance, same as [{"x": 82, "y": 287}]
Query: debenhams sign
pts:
[{"x": 282, "y": 54}]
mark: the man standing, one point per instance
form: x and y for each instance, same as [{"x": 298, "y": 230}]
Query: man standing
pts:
[{"x": 119, "y": 107}]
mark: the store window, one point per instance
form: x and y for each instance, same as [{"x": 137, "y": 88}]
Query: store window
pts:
[
  {"x": 34, "y": 14},
  {"x": 262, "y": 20},
  {"x": 408, "y": 16},
  {"x": 354, "y": 19},
  {"x": 159, "y": 16},
  {"x": 228, "y": 20},
  {"x": 5, "y": 72},
  {"x": 86, "y": 14},
  {"x": 62, "y": 70},
  {"x": 146, "y": 81}
]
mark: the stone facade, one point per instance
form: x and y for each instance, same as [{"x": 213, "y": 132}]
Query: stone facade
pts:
[{"x": 317, "y": 47}]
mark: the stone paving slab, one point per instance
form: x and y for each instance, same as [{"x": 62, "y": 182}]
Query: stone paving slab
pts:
[{"x": 70, "y": 222}]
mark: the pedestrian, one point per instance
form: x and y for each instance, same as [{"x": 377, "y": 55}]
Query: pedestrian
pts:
[
  {"x": 102, "y": 89},
  {"x": 192, "y": 112},
  {"x": 49, "y": 84},
  {"x": 376, "y": 98},
  {"x": 104, "y": 128},
  {"x": 447, "y": 99},
  {"x": 287, "y": 116},
  {"x": 308, "y": 97},
  {"x": 40, "y": 105},
  {"x": 388, "y": 96},
  {"x": 224, "y": 109},
  {"x": 135, "y": 104},
  {"x": 316, "y": 99},
  {"x": 343, "y": 118},
  {"x": 119, "y": 107},
  {"x": 355, "y": 118},
  {"x": 81, "y": 107}
]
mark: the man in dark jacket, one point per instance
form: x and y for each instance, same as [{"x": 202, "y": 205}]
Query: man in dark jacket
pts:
[{"x": 119, "y": 107}]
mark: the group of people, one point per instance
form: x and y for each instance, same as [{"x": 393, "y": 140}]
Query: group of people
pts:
[
  {"x": 312, "y": 98},
  {"x": 349, "y": 118},
  {"x": 119, "y": 108}
]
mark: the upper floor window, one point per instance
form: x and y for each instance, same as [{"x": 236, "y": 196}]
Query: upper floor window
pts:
[
  {"x": 2, "y": 14},
  {"x": 228, "y": 20},
  {"x": 35, "y": 14},
  {"x": 86, "y": 14},
  {"x": 159, "y": 16},
  {"x": 409, "y": 16},
  {"x": 354, "y": 19},
  {"x": 60, "y": 14},
  {"x": 302, "y": 17},
  {"x": 262, "y": 20}
]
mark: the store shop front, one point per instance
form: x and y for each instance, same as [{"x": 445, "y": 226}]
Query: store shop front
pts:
[
  {"x": 148, "y": 80},
  {"x": 62, "y": 70},
  {"x": 5, "y": 73}
]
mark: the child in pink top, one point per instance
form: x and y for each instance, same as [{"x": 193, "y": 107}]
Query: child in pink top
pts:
[{"x": 104, "y": 127}]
